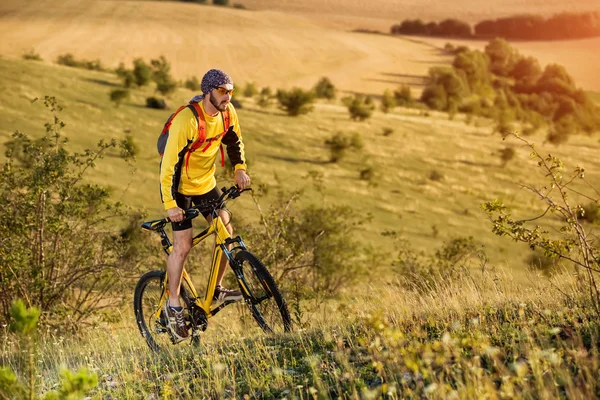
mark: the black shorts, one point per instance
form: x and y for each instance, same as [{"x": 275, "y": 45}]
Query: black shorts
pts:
[{"x": 185, "y": 202}]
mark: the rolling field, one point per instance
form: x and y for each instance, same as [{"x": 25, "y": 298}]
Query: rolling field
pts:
[{"x": 280, "y": 48}]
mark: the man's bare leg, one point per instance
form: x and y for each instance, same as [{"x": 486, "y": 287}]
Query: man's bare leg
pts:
[{"x": 182, "y": 243}]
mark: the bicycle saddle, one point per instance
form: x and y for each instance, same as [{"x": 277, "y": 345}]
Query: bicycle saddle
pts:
[{"x": 154, "y": 225}]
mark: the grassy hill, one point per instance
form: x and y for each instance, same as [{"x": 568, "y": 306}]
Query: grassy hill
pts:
[{"x": 283, "y": 150}]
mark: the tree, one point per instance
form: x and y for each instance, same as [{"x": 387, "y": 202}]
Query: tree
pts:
[
  {"x": 445, "y": 89},
  {"x": 503, "y": 57},
  {"x": 475, "y": 66}
]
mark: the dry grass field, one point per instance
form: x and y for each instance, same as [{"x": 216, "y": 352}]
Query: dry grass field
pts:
[
  {"x": 269, "y": 48},
  {"x": 350, "y": 12},
  {"x": 281, "y": 45}
]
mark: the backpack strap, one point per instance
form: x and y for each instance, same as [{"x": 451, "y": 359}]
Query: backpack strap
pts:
[{"x": 199, "y": 114}]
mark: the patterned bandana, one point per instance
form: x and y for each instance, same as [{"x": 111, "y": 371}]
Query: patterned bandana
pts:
[{"x": 213, "y": 79}]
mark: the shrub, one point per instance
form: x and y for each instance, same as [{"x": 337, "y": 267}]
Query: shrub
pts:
[
  {"x": 435, "y": 175},
  {"x": 155, "y": 102},
  {"x": 360, "y": 107},
  {"x": 421, "y": 271},
  {"x": 388, "y": 101},
  {"x": 192, "y": 84},
  {"x": 506, "y": 155},
  {"x": 589, "y": 213},
  {"x": 324, "y": 89},
  {"x": 387, "y": 131},
  {"x": 126, "y": 75},
  {"x": 306, "y": 248},
  {"x": 69, "y": 60},
  {"x": 161, "y": 74},
  {"x": 58, "y": 248},
  {"x": 142, "y": 73},
  {"x": 296, "y": 101},
  {"x": 32, "y": 55},
  {"x": 24, "y": 323},
  {"x": 250, "y": 90},
  {"x": 221, "y": 2},
  {"x": 129, "y": 148},
  {"x": 367, "y": 174},
  {"x": 265, "y": 97},
  {"x": 340, "y": 143},
  {"x": 403, "y": 96},
  {"x": 118, "y": 95}
]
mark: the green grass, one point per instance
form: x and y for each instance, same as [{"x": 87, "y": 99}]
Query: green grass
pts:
[
  {"x": 458, "y": 341},
  {"x": 283, "y": 150}
]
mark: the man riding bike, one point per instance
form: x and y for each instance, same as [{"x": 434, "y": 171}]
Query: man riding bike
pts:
[{"x": 187, "y": 176}]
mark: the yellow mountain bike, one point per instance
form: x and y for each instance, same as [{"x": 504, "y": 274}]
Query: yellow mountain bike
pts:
[{"x": 260, "y": 292}]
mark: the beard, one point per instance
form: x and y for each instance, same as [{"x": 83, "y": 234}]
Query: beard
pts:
[{"x": 220, "y": 107}]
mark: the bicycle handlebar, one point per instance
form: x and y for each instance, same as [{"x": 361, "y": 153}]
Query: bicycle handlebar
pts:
[{"x": 227, "y": 194}]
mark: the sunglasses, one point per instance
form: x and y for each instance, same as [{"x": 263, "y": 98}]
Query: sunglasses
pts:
[{"x": 222, "y": 91}]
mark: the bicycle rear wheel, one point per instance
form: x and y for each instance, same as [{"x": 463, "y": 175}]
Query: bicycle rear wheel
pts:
[
  {"x": 146, "y": 302},
  {"x": 262, "y": 295}
]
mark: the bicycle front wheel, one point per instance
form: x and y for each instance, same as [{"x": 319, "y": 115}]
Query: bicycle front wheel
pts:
[{"x": 262, "y": 295}]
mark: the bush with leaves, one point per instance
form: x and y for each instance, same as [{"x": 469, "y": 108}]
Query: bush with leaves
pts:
[
  {"x": 23, "y": 323},
  {"x": 340, "y": 143},
  {"x": 311, "y": 251},
  {"x": 58, "y": 250},
  {"x": 32, "y": 55},
  {"x": 264, "y": 97},
  {"x": 572, "y": 242},
  {"x": 296, "y": 101},
  {"x": 359, "y": 106},
  {"x": 161, "y": 74},
  {"x": 421, "y": 271},
  {"x": 142, "y": 73},
  {"x": 250, "y": 90},
  {"x": 118, "y": 95},
  {"x": 403, "y": 96},
  {"x": 69, "y": 60},
  {"x": 156, "y": 103},
  {"x": 388, "y": 101},
  {"x": 192, "y": 84},
  {"x": 324, "y": 89},
  {"x": 221, "y": 2}
]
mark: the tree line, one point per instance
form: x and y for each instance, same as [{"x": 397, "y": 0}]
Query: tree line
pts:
[{"x": 522, "y": 27}]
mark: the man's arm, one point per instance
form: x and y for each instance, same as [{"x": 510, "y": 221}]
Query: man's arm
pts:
[{"x": 235, "y": 151}]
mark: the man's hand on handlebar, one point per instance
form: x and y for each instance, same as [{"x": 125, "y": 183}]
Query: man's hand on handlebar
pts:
[
  {"x": 175, "y": 214},
  {"x": 242, "y": 180}
]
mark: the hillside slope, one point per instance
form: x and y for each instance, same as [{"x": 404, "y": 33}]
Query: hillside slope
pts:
[{"x": 283, "y": 150}]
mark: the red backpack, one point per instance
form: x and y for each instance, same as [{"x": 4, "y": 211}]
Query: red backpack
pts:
[{"x": 197, "y": 111}]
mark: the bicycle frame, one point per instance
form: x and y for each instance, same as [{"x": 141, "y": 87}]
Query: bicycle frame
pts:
[{"x": 222, "y": 240}]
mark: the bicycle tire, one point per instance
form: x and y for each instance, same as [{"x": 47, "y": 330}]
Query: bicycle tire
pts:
[
  {"x": 264, "y": 299},
  {"x": 148, "y": 292}
]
